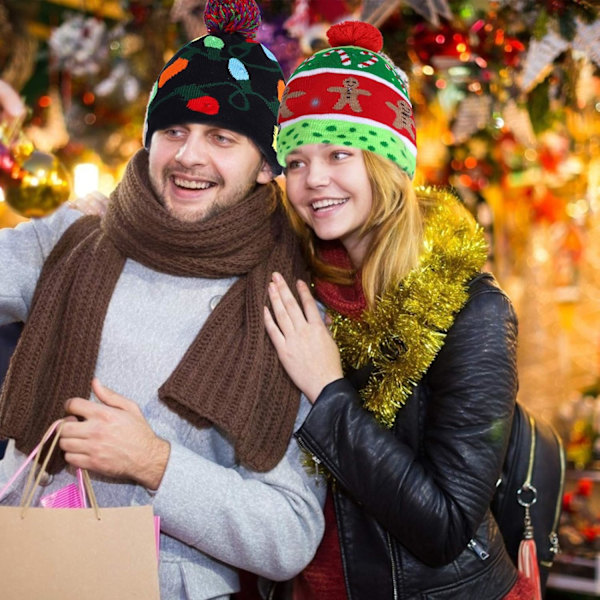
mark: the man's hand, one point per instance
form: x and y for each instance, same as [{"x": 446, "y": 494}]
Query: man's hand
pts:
[{"x": 113, "y": 439}]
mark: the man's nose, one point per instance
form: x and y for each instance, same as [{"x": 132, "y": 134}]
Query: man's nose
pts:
[{"x": 193, "y": 151}]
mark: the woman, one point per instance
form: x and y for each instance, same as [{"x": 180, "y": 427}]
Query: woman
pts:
[{"x": 411, "y": 416}]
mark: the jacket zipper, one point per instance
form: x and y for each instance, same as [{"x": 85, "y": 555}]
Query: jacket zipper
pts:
[
  {"x": 479, "y": 550},
  {"x": 315, "y": 459},
  {"x": 394, "y": 567}
]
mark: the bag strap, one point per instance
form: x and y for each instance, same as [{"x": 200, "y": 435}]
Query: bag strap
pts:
[
  {"x": 527, "y": 494},
  {"x": 31, "y": 485},
  {"x": 31, "y": 456}
]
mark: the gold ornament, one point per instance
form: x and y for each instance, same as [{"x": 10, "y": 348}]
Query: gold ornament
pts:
[{"x": 35, "y": 183}]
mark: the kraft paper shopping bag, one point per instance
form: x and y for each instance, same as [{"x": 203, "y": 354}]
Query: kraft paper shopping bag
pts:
[{"x": 95, "y": 553}]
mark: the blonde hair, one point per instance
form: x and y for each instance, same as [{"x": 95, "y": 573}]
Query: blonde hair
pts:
[{"x": 396, "y": 222}]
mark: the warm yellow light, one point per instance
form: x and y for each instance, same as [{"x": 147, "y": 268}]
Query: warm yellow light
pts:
[{"x": 86, "y": 176}]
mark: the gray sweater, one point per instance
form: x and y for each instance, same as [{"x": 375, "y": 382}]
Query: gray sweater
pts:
[{"x": 215, "y": 514}]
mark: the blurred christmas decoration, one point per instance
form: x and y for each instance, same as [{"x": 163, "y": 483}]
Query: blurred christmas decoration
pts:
[
  {"x": 52, "y": 134},
  {"x": 18, "y": 49},
  {"x": 310, "y": 19},
  {"x": 541, "y": 348},
  {"x": 35, "y": 183},
  {"x": 579, "y": 532},
  {"x": 274, "y": 34},
  {"x": 103, "y": 71},
  {"x": 79, "y": 46},
  {"x": 542, "y": 53},
  {"x": 431, "y": 10},
  {"x": 190, "y": 13}
]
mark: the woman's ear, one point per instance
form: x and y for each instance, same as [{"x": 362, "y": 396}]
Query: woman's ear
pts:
[{"x": 265, "y": 174}]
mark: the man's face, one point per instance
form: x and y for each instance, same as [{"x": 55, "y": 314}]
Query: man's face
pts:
[{"x": 199, "y": 170}]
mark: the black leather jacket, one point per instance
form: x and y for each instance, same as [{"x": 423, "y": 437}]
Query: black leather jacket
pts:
[{"x": 412, "y": 503}]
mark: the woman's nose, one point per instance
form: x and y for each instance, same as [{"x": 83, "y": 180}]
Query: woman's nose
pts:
[{"x": 318, "y": 174}]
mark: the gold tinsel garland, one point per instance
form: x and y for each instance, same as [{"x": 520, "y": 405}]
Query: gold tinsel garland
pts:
[{"x": 407, "y": 327}]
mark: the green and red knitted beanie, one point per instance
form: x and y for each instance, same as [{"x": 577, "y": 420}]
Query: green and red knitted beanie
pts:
[
  {"x": 224, "y": 78},
  {"x": 350, "y": 95}
]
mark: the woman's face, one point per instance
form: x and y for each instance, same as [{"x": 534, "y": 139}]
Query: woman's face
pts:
[{"x": 329, "y": 188}]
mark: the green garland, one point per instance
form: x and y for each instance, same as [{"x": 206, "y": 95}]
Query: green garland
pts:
[{"x": 406, "y": 329}]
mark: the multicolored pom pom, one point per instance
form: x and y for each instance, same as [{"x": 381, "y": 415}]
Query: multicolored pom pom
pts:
[
  {"x": 355, "y": 33},
  {"x": 232, "y": 16}
]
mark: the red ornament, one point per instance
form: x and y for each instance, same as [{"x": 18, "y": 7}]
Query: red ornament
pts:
[
  {"x": 584, "y": 487},
  {"x": 355, "y": 33},
  {"x": 204, "y": 104},
  {"x": 6, "y": 160}
]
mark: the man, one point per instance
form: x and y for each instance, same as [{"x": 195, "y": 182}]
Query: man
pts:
[{"x": 158, "y": 307}]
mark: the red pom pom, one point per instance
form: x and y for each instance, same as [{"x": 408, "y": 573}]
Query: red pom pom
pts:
[{"x": 355, "y": 33}]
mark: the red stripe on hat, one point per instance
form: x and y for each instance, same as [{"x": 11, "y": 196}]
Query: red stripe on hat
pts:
[{"x": 347, "y": 94}]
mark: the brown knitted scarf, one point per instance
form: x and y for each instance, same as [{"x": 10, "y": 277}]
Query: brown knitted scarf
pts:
[{"x": 230, "y": 375}]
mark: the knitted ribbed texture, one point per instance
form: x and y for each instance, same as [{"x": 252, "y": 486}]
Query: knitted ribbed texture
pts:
[
  {"x": 42, "y": 374},
  {"x": 348, "y": 300},
  {"x": 222, "y": 79},
  {"x": 234, "y": 16},
  {"x": 349, "y": 95},
  {"x": 230, "y": 375}
]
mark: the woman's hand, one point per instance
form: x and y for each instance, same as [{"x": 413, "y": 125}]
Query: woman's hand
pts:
[
  {"x": 94, "y": 203},
  {"x": 302, "y": 341}
]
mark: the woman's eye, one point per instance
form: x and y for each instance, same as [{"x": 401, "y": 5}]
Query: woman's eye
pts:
[
  {"x": 294, "y": 164},
  {"x": 340, "y": 155}
]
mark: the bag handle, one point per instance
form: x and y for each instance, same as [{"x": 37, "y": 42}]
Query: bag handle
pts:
[
  {"x": 29, "y": 458},
  {"x": 29, "y": 489}
]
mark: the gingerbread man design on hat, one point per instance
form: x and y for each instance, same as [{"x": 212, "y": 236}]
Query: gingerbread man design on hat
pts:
[{"x": 349, "y": 94}]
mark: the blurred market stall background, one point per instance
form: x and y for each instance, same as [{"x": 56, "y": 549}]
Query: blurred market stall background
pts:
[{"x": 507, "y": 101}]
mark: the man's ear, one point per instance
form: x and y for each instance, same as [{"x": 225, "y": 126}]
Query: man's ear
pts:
[{"x": 265, "y": 174}]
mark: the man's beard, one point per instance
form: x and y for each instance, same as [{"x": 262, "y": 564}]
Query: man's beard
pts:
[{"x": 216, "y": 207}]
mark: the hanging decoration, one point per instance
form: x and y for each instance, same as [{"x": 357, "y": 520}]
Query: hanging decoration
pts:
[
  {"x": 190, "y": 13},
  {"x": 79, "y": 46},
  {"x": 518, "y": 122},
  {"x": 18, "y": 49},
  {"x": 51, "y": 135},
  {"x": 473, "y": 114},
  {"x": 35, "y": 183},
  {"x": 541, "y": 54},
  {"x": 431, "y": 10}
]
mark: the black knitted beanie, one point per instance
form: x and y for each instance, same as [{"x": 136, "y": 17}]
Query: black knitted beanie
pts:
[{"x": 224, "y": 78}]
